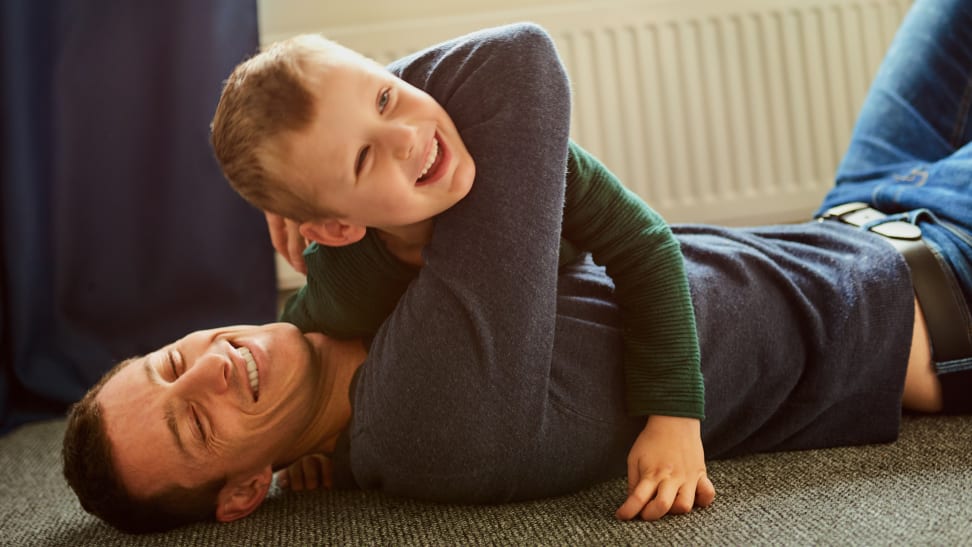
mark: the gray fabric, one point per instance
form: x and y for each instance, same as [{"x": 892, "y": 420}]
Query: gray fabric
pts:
[
  {"x": 466, "y": 353},
  {"x": 913, "y": 492},
  {"x": 498, "y": 378},
  {"x": 805, "y": 332}
]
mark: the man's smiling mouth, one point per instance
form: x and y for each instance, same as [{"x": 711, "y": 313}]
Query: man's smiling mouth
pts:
[{"x": 252, "y": 372}]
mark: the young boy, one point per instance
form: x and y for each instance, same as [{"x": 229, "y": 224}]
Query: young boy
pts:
[{"x": 363, "y": 162}]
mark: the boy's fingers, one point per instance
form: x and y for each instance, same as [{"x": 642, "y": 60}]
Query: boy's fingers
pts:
[
  {"x": 311, "y": 473},
  {"x": 286, "y": 239},
  {"x": 637, "y": 499},
  {"x": 283, "y": 479},
  {"x": 684, "y": 500},
  {"x": 327, "y": 469},
  {"x": 705, "y": 493},
  {"x": 634, "y": 475},
  {"x": 296, "y": 478},
  {"x": 662, "y": 502}
]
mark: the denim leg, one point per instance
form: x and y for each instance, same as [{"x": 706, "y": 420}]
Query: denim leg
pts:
[
  {"x": 912, "y": 145},
  {"x": 918, "y": 107}
]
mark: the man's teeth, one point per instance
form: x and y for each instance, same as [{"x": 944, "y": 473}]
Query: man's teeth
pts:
[
  {"x": 432, "y": 157},
  {"x": 251, "y": 369}
]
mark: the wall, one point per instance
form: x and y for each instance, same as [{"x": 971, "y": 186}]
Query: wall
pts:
[{"x": 292, "y": 16}]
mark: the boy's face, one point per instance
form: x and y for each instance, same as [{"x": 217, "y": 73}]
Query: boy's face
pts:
[{"x": 380, "y": 152}]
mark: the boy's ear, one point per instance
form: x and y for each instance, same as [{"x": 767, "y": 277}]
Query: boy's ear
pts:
[
  {"x": 240, "y": 497},
  {"x": 332, "y": 233}
]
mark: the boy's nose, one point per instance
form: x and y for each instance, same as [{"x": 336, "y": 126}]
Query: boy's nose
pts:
[{"x": 400, "y": 139}]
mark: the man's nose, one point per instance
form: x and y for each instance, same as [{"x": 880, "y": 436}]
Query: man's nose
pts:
[{"x": 211, "y": 374}]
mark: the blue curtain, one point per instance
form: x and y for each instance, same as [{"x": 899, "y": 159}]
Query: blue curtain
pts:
[{"x": 119, "y": 233}]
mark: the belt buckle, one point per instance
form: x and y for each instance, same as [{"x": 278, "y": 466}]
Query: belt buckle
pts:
[
  {"x": 837, "y": 212},
  {"x": 862, "y": 215}
]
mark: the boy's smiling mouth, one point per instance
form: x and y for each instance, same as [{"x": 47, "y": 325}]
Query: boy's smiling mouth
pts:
[{"x": 433, "y": 162}]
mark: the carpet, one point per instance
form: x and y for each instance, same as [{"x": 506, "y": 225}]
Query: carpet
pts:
[{"x": 916, "y": 491}]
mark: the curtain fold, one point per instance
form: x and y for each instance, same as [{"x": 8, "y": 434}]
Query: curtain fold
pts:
[{"x": 119, "y": 233}]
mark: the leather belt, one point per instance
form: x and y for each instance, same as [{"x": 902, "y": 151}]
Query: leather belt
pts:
[{"x": 947, "y": 316}]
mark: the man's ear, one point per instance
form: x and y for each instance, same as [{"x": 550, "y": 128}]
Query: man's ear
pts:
[
  {"x": 242, "y": 496},
  {"x": 332, "y": 233}
]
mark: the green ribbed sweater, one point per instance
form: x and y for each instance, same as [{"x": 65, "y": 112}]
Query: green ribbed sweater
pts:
[{"x": 350, "y": 290}]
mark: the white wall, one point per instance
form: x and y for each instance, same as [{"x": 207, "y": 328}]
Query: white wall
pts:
[{"x": 279, "y": 17}]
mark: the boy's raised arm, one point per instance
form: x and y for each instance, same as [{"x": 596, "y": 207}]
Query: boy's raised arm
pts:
[{"x": 475, "y": 331}]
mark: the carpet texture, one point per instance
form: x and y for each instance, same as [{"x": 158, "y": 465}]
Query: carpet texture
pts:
[{"x": 916, "y": 491}]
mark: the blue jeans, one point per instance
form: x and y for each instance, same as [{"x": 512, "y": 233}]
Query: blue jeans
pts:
[{"x": 911, "y": 150}]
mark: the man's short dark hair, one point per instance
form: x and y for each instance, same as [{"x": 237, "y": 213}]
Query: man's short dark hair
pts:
[{"x": 90, "y": 471}]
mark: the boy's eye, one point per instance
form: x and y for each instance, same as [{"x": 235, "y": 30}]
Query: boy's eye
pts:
[
  {"x": 383, "y": 98},
  {"x": 361, "y": 159}
]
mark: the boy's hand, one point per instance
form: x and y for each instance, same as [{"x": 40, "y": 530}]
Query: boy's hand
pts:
[
  {"x": 286, "y": 238},
  {"x": 666, "y": 470},
  {"x": 308, "y": 473}
]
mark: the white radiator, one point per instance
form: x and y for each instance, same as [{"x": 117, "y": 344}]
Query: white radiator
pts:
[{"x": 717, "y": 111}]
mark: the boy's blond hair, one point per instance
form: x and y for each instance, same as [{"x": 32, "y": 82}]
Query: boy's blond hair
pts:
[{"x": 265, "y": 98}]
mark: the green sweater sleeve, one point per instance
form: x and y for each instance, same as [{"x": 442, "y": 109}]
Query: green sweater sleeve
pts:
[
  {"x": 662, "y": 361},
  {"x": 350, "y": 290}
]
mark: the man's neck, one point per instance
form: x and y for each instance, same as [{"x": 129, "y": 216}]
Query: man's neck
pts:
[{"x": 341, "y": 359}]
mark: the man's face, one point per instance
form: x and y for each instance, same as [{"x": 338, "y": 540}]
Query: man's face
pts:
[
  {"x": 380, "y": 152},
  {"x": 217, "y": 403}
]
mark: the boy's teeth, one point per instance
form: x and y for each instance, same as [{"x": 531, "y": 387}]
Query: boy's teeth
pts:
[
  {"x": 251, "y": 369},
  {"x": 432, "y": 156}
]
